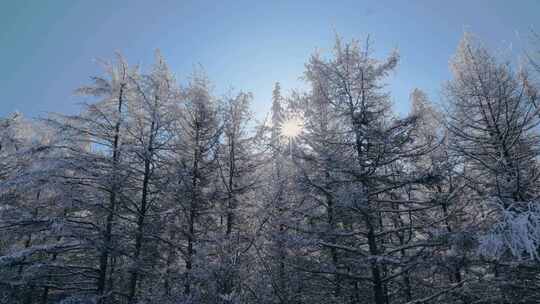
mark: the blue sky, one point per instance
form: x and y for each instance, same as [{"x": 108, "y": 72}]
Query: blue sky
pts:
[{"x": 47, "y": 48}]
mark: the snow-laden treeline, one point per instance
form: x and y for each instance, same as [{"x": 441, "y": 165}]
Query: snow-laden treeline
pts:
[{"x": 161, "y": 192}]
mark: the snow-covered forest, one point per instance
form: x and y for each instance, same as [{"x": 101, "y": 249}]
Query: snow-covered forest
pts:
[{"x": 163, "y": 192}]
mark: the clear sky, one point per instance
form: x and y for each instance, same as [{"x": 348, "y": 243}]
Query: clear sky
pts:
[{"x": 47, "y": 48}]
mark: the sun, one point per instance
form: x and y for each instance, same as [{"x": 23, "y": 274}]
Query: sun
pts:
[{"x": 291, "y": 128}]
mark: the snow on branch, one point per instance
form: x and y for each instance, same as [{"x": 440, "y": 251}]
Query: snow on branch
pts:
[{"x": 517, "y": 232}]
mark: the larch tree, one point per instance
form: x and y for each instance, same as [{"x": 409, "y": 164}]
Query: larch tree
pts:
[
  {"x": 237, "y": 165},
  {"x": 196, "y": 165},
  {"x": 384, "y": 230},
  {"x": 493, "y": 120},
  {"x": 151, "y": 117}
]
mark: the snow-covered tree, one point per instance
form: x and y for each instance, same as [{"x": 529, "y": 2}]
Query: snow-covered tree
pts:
[
  {"x": 493, "y": 120},
  {"x": 364, "y": 151}
]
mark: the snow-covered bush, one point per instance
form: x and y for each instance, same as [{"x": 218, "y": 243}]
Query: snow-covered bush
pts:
[{"x": 517, "y": 233}]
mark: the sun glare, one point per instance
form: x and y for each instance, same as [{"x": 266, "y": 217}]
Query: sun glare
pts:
[{"x": 292, "y": 127}]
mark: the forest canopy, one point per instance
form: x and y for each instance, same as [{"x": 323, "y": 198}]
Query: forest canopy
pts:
[{"x": 159, "y": 191}]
